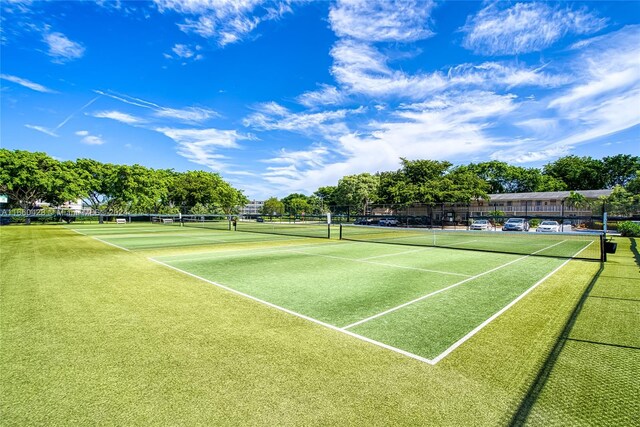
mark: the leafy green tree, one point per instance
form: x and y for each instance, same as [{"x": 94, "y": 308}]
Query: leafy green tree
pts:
[
  {"x": 199, "y": 209},
  {"x": 620, "y": 169},
  {"x": 622, "y": 202},
  {"x": 576, "y": 200},
  {"x": 358, "y": 190},
  {"x": 272, "y": 206},
  {"x": 229, "y": 199},
  {"x": 463, "y": 187},
  {"x": 67, "y": 184},
  {"x": 192, "y": 187},
  {"x": 296, "y": 204},
  {"x": 505, "y": 178},
  {"x": 138, "y": 189},
  {"x": 28, "y": 177},
  {"x": 327, "y": 198},
  {"x": 578, "y": 173},
  {"x": 633, "y": 186},
  {"x": 96, "y": 178},
  {"x": 430, "y": 182}
]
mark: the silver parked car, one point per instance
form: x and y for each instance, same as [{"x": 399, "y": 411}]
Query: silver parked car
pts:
[
  {"x": 548, "y": 226},
  {"x": 516, "y": 224},
  {"x": 480, "y": 224}
]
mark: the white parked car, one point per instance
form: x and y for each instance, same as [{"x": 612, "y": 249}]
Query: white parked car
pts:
[
  {"x": 548, "y": 226},
  {"x": 480, "y": 224},
  {"x": 388, "y": 222}
]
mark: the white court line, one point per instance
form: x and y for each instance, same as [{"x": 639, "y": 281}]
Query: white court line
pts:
[
  {"x": 382, "y": 264},
  {"x": 391, "y": 310},
  {"x": 354, "y": 335},
  {"x": 456, "y": 244},
  {"x": 302, "y": 316},
  {"x": 508, "y": 306},
  {"x": 243, "y": 252},
  {"x": 394, "y": 254},
  {"x": 100, "y": 240}
]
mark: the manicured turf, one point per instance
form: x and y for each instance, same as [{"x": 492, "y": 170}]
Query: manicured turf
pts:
[
  {"x": 594, "y": 380},
  {"x": 581, "y": 245},
  {"x": 92, "y": 334},
  {"x": 346, "y": 283}
]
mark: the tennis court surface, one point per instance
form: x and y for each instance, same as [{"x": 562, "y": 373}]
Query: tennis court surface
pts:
[{"x": 414, "y": 297}]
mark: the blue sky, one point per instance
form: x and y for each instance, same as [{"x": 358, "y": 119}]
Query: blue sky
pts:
[{"x": 288, "y": 96}]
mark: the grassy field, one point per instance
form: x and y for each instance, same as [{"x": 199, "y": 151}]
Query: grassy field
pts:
[
  {"x": 94, "y": 334},
  {"x": 594, "y": 377}
]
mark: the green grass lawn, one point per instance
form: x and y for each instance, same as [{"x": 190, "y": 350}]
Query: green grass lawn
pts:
[
  {"x": 92, "y": 334},
  {"x": 595, "y": 379}
]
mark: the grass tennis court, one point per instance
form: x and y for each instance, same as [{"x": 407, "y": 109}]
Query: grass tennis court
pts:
[
  {"x": 421, "y": 301},
  {"x": 114, "y": 324}
]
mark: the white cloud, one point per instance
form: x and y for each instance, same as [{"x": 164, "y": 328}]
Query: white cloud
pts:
[
  {"x": 89, "y": 139},
  {"x": 187, "y": 115},
  {"x": 452, "y": 126},
  {"x": 185, "y": 52},
  {"x": 609, "y": 65},
  {"x": 325, "y": 125},
  {"x": 382, "y": 20},
  {"x": 360, "y": 68},
  {"x": 118, "y": 116},
  {"x": 326, "y": 95},
  {"x": 313, "y": 157},
  {"x": 225, "y": 21},
  {"x": 26, "y": 83},
  {"x": 273, "y": 116},
  {"x": 61, "y": 48},
  {"x": 493, "y": 74},
  {"x": 201, "y": 146},
  {"x": 42, "y": 129},
  {"x": 525, "y": 27},
  {"x": 603, "y": 100}
]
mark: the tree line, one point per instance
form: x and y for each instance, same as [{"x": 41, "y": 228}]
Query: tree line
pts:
[
  {"x": 433, "y": 182},
  {"x": 30, "y": 177},
  {"x": 27, "y": 177}
]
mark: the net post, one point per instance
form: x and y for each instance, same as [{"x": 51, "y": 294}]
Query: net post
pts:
[
  {"x": 328, "y": 230},
  {"x": 603, "y": 253},
  {"x": 340, "y": 231}
]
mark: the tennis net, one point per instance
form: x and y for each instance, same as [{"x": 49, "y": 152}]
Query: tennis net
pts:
[
  {"x": 211, "y": 222},
  {"x": 559, "y": 245},
  {"x": 306, "y": 229}
]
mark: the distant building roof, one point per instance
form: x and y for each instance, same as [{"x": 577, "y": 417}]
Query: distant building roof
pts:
[{"x": 548, "y": 195}]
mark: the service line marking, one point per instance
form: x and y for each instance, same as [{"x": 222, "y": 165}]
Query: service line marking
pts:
[
  {"x": 381, "y": 264},
  {"x": 302, "y": 316},
  {"x": 508, "y": 306},
  {"x": 100, "y": 240},
  {"x": 391, "y": 310},
  {"x": 231, "y": 253}
]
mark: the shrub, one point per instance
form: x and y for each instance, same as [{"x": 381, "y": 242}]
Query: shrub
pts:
[{"x": 629, "y": 229}]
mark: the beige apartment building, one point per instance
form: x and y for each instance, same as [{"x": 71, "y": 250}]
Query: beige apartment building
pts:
[{"x": 543, "y": 204}]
